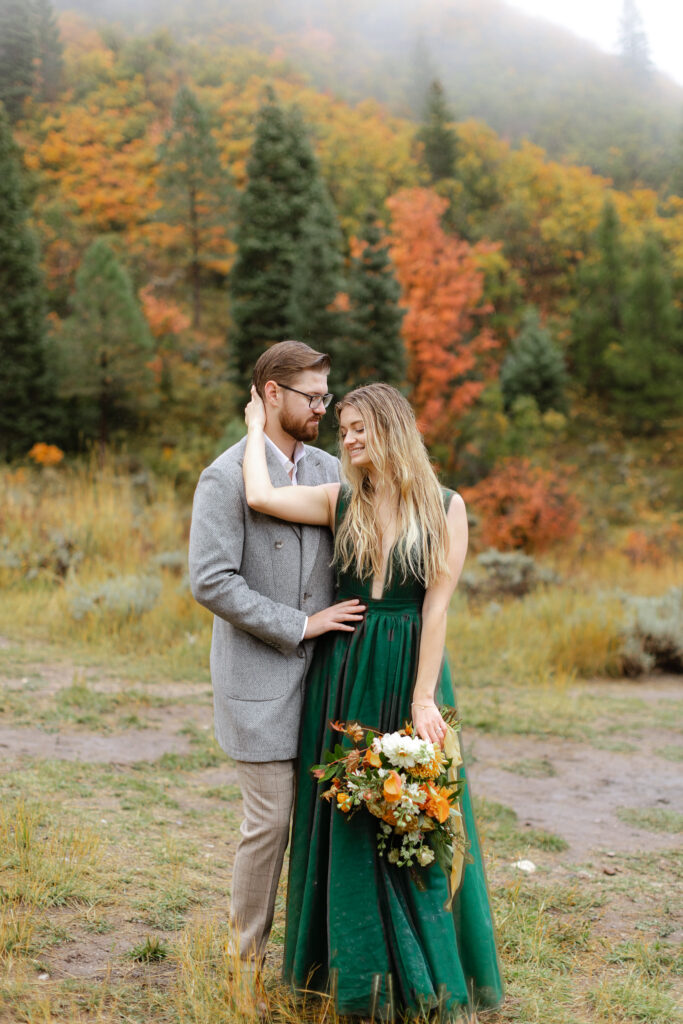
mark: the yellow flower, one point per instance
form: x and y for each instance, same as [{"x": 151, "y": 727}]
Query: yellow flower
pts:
[{"x": 432, "y": 770}]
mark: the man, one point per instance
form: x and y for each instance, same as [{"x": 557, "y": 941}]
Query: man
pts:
[{"x": 270, "y": 586}]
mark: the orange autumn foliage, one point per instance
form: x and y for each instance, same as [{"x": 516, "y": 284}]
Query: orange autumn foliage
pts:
[
  {"x": 644, "y": 548},
  {"x": 524, "y": 506},
  {"x": 164, "y": 317},
  {"x": 46, "y": 454},
  {"x": 442, "y": 289}
]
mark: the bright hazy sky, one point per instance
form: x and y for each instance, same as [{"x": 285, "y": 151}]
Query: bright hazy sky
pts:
[{"x": 598, "y": 21}]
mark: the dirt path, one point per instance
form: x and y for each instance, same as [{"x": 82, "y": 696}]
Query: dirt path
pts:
[{"x": 569, "y": 788}]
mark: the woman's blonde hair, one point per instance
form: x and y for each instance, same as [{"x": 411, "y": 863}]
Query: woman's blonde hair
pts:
[{"x": 396, "y": 450}]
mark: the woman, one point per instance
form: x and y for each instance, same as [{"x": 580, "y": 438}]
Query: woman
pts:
[{"x": 354, "y": 921}]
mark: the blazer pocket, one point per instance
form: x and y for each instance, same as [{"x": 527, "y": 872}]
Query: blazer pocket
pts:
[{"x": 254, "y": 671}]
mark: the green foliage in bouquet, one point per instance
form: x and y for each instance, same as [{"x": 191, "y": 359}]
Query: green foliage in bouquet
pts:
[{"x": 410, "y": 785}]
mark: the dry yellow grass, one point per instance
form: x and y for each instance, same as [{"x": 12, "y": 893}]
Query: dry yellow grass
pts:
[{"x": 99, "y": 556}]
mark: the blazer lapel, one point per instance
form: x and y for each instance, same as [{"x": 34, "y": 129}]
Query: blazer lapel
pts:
[{"x": 280, "y": 478}]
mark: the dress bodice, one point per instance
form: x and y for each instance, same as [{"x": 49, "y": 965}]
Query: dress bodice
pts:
[{"x": 398, "y": 590}]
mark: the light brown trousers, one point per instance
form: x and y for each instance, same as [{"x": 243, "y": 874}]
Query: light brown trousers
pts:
[{"x": 267, "y": 797}]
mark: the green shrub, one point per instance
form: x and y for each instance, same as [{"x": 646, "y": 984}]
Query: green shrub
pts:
[
  {"x": 506, "y": 573},
  {"x": 653, "y": 633},
  {"x": 123, "y": 597}
]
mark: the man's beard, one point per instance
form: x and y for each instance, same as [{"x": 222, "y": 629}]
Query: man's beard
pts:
[{"x": 300, "y": 431}]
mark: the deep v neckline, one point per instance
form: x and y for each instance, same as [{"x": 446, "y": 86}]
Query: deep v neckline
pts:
[{"x": 384, "y": 575}]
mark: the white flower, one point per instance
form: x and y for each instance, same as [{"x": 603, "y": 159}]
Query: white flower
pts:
[
  {"x": 425, "y": 856},
  {"x": 399, "y": 749},
  {"x": 392, "y": 856},
  {"x": 424, "y": 751}
]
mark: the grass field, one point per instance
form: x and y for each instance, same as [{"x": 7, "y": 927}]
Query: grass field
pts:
[{"x": 119, "y": 815}]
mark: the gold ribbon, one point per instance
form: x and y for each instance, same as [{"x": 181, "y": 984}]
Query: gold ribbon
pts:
[{"x": 451, "y": 748}]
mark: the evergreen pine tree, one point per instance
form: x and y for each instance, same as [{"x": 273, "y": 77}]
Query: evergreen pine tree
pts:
[
  {"x": 440, "y": 142},
  {"x": 49, "y": 50},
  {"x": 273, "y": 213},
  {"x": 26, "y": 400},
  {"x": 534, "y": 366},
  {"x": 17, "y": 55},
  {"x": 194, "y": 186},
  {"x": 422, "y": 74},
  {"x": 598, "y": 322},
  {"x": 634, "y": 48},
  {"x": 318, "y": 274},
  {"x": 375, "y": 350},
  {"x": 104, "y": 347},
  {"x": 647, "y": 361}
]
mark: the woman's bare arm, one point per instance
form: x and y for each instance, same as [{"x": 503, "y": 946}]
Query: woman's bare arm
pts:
[
  {"x": 426, "y": 716},
  {"x": 312, "y": 505}
]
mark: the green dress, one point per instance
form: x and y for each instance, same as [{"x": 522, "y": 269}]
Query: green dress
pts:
[{"x": 357, "y": 925}]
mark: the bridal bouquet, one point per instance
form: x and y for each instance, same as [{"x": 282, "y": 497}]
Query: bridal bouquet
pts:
[{"x": 410, "y": 785}]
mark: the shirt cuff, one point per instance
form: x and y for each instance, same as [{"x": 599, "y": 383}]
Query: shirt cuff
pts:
[{"x": 305, "y": 628}]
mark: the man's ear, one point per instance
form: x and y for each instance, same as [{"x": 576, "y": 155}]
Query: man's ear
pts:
[{"x": 270, "y": 393}]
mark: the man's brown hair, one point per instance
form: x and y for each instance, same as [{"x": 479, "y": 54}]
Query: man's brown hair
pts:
[{"x": 285, "y": 360}]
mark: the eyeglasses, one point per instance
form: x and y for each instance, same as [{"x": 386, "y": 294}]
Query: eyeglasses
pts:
[{"x": 313, "y": 400}]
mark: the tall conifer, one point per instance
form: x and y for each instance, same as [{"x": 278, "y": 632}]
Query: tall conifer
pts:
[
  {"x": 598, "y": 322},
  {"x": 634, "y": 47},
  {"x": 284, "y": 219},
  {"x": 647, "y": 361},
  {"x": 195, "y": 187},
  {"x": 25, "y": 396},
  {"x": 17, "y": 55},
  {"x": 440, "y": 142},
  {"x": 535, "y": 367},
  {"x": 376, "y": 350},
  {"x": 104, "y": 347},
  {"x": 318, "y": 274},
  {"x": 49, "y": 50}
]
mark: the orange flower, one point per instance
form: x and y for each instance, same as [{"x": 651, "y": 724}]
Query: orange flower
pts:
[
  {"x": 392, "y": 787},
  {"x": 344, "y": 801},
  {"x": 437, "y": 804},
  {"x": 390, "y": 817},
  {"x": 372, "y": 758}
]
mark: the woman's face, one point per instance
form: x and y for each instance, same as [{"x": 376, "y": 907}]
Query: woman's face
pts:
[{"x": 352, "y": 430}]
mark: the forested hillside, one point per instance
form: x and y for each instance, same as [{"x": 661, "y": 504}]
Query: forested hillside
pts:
[
  {"x": 525, "y": 77},
  {"x": 513, "y": 296}
]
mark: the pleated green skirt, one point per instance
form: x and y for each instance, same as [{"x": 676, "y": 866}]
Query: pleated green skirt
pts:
[{"x": 356, "y": 924}]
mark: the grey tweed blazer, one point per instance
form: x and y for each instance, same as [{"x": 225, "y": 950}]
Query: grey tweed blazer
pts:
[{"x": 260, "y": 577}]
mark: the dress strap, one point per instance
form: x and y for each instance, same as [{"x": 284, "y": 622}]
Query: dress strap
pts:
[{"x": 447, "y": 495}]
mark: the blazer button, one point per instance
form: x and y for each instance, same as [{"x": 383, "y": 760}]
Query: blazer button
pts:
[
  {"x": 300, "y": 653},
  {"x": 307, "y": 597},
  {"x": 278, "y": 544}
]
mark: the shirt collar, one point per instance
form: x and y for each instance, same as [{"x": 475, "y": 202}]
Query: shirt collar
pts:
[{"x": 289, "y": 464}]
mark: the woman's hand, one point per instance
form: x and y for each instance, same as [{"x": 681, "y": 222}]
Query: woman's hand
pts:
[
  {"x": 255, "y": 411},
  {"x": 337, "y": 616},
  {"x": 428, "y": 722}
]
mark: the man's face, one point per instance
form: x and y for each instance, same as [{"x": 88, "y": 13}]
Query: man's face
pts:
[{"x": 296, "y": 417}]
